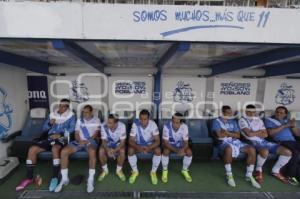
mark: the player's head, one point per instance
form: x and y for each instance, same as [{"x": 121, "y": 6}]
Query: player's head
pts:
[
  {"x": 112, "y": 121},
  {"x": 64, "y": 105},
  {"x": 177, "y": 120},
  {"x": 144, "y": 117},
  {"x": 87, "y": 111},
  {"x": 250, "y": 110},
  {"x": 226, "y": 111},
  {"x": 281, "y": 112}
]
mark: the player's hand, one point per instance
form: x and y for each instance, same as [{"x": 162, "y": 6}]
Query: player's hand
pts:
[
  {"x": 55, "y": 136},
  {"x": 110, "y": 153},
  {"x": 181, "y": 152},
  {"x": 145, "y": 149},
  {"x": 83, "y": 142},
  {"x": 52, "y": 121},
  {"x": 94, "y": 136},
  {"x": 292, "y": 123}
]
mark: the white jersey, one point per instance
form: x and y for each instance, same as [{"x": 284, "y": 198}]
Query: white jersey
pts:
[
  {"x": 175, "y": 137},
  {"x": 113, "y": 138},
  {"x": 254, "y": 124},
  {"x": 92, "y": 126},
  {"x": 144, "y": 136}
]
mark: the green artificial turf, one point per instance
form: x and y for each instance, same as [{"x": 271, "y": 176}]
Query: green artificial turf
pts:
[{"x": 208, "y": 176}]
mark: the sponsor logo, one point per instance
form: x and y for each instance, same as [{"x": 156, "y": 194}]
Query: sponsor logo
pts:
[
  {"x": 79, "y": 92},
  {"x": 285, "y": 94},
  {"x": 183, "y": 93},
  {"x": 5, "y": 114}
]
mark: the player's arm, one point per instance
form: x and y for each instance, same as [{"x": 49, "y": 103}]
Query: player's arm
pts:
[
  {"x": 293, "y": 126},
  {"x": 221, "y": 133},
  {"x": 133, "y": 144},
  {"x": 155, "y": 144},
  {"x": 276, "y": 130},
  {"x": 121, "y": 145},
  {"x": 236, "y": 135},
  {"x": 77, "y": 136},
  {"x": 168, "y": 145},
  {"x": 104, "y": 144},
  {"x": 260, "y": 133}
]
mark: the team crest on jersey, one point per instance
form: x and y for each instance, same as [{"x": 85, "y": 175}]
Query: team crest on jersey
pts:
[
  {"x": 183, "y": 93},
  {"x": 79, "y": 92},
  {"x": 5, "y": 114},
  {"x": 285, "y": 95}
]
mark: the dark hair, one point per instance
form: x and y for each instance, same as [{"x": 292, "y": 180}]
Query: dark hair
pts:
[
  {"x": 282, "y": 107},
  {"x": 225, "y": 108},
  {"x": 115, "y": 117},
  {"x": 250, "y": 106},
  {"x": 88, "y": 107},
  {"x": 179, "y": 115},
  {"x": 145, "y": 112},
  {"x": 65, "y": 102}
]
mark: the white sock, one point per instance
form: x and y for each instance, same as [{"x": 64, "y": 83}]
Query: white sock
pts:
[
  {"x": 282, "y": 160},
  {"x": 165, "y": 162},
  {"x": 155, "y": 162},
  {"x": 250, "y": 169},
  {"x": 91, "y": 174},
  {"x": 260, "y": 162},
  {"x": 119, "y": 168},
  {"x": 64, "y": 175},
  {"x": 105, "y": 168},
  {"x": 133, "y": 163},
  {"x": 187, "y": 162},
  {"x": 228, "y": 169},
  {"x": 56, "y": 162}
]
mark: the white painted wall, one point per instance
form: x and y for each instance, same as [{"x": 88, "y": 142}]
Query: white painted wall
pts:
[{"x": 136, "y": 22}]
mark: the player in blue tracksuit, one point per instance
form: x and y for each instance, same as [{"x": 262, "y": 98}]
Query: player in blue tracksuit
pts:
[{"x": 59, "y": 121}]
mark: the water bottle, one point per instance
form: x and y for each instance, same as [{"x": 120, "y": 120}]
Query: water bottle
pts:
[{"x": 67, "y": 135}]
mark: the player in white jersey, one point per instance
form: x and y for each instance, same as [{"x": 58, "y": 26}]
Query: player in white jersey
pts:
[
  {"x": 144, "y": 138},
  {"x": 87, "y": 131},
  {"x": 227, "y": 132},
  {"x": 175, "y": 139},
  {"x": 113, "y": 136},
  {"x": 254, "y": 131}
]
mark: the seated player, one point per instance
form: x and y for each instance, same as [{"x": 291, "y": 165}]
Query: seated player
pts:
[
  {"x": 113, "y": 136},
  {"x": 284, "y": 131},
  {"x": 176, "y": 140},
  {"x": 255, "y": 132},
  {"x": 144, "y": 138},
  {"x": 87, "y": 131},
  {"x": 226, "y": 129},
  {"x": 58, "y": 122}
]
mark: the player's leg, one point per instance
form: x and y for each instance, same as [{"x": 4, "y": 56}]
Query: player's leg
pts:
[
  {"x": 227, "y": 158},
  {"x": 103, "y": 161},
  {"x": 156, "y": 159},
  {"x": 292, "y": 165},
  {"x": 92, "y": 151},
  {"x": 120, "y": 162},
  {"x": 251, "y": 158},
  {"x": 262, "y": 156},
  {"x": 284, "y": 157},
  {"x": 30, "y": 165},
  {"x": 187, "y": 160},
  {"x": 65, "y": 154},
  {"x": 56, "y": 149},
  {"x": 165, "y": 163},
  {"x": 132, "y": 159}
]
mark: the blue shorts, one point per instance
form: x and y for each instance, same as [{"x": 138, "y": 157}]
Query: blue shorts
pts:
[
  {"x": 144, "y": 144},
  {"x": 178, "y": 146},
  {"x": 78, "y": 147},
  {"x": 270, "y": 146}
]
